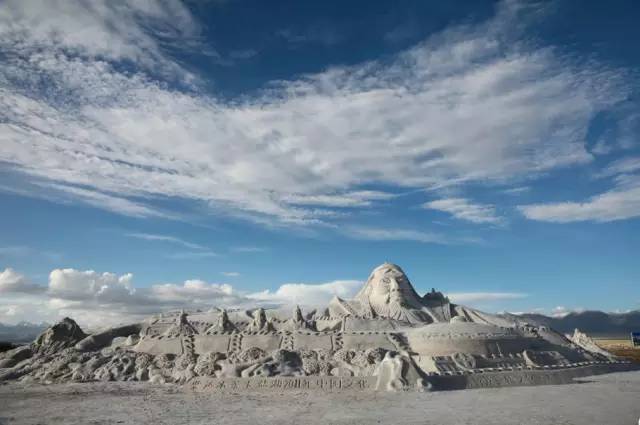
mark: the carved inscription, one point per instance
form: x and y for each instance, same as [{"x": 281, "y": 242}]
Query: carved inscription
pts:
[{"x": 323, "y": 384}]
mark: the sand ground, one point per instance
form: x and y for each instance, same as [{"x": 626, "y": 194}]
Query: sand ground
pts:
[
  {"x": 620, "y": 347},
  {"x": 606, "y": 399}
]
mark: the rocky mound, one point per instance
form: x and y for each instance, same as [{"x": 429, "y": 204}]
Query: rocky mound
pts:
[{"x": 62, "y": 335}]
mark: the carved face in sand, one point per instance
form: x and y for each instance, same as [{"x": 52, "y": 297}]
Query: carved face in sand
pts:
[{"x": 388, "y": 285}]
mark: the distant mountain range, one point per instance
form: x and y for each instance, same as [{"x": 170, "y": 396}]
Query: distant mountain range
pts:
[
  {"x": 594, "y": 323},
  {"x": 21, "y": 332}
]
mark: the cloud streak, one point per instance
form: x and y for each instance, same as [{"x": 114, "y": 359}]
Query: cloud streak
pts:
[
  {"x": 619, "y": 203},
  {"x": 463, "y": 209},
  {"x": 609, "y": 206},
  {"x": 14, "y": 282},
  {"x": 166, "y": 238},
  {"x": 302, "y": 148},
  {"x": 391, "y": 234}
]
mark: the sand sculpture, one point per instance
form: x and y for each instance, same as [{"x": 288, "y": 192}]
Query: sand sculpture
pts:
[{"x": 388, "y": 335}]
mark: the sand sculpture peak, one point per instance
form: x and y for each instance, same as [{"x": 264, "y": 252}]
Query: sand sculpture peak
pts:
[
  {"x": 388, "y": 293},
  {"x": 387, "y": 336}
]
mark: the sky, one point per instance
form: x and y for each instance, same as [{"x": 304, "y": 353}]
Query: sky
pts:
[{"x": 183, "y": 154}]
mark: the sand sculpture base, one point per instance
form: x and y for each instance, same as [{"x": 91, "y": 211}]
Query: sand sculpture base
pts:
[{"x": 387, "y": 338}]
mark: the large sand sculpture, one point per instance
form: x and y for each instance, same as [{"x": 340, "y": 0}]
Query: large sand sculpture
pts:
[{"x": 388, "y": 338}]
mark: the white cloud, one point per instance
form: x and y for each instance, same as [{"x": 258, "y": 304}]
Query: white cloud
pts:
[
  {"x": 230, "y": 274},
  {"x": 391, "y": 234},
  {"x": 621, "y": 166},
  {"x": 309, "y": 294},
  {"x": 469, "y": 104},
  {"x": 79, "y": 285},
  {"x": 516, "y": 190},
  {"x": 12, "y": 281},
  {"x": 248, "y": 249},
  {"x": 11, "y": 310},
  {"x": 166, "y": 238},
  {"x": 475, "y": 297},
  {"x": 115, "y": 298},
  {"x": 463, "y": 209},
  {"x": 109, "y": 201},
  {"x": 360, "y": 198},
  {"x": 616, "y": 204},
  {"x": 98, "y": 299},
  {"x": 201, "y": 251},
  {"x": 196, "y": 255},
  {"x": 622, "y": 131},
  {"x": 194, "y": 290},
  {"x": 561, "y": 311},
  {"x": 125, "y": 30}
]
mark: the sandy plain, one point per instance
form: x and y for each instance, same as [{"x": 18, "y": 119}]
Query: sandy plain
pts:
[
  {"x": 606, "y": 399},
  {"x": 620, "y": 347}
]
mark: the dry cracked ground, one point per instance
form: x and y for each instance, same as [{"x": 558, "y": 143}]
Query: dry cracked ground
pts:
[{"x": 606, "y": 399}]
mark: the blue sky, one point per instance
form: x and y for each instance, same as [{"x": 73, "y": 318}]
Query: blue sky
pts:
[{"x": 158, "y": 155}]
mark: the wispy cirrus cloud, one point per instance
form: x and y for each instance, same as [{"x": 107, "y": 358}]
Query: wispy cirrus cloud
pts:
[
  {"x": 617, "y": 204},
  {"x": 516, "y": 190},
  {"x": 394, "y": 234},
  {"x": 301, "y": 148},
  {"x": 194, "y": 255},
  {"x": 248, "y": 249},
  {"x": 463, "y": 209},
  {"x": 626, "y": 165},
  {"x": 12, "y": 281},
  {"x": 109, "y": 201},
  {"x": 166, "y": 238},
  {"x": 138, "y": 32},
  {"x": 198, "y": 252},
  {"x": 621, "y": 202},
  {"x": 361, "y": 198},
  {"x": 407, "y": 234}
]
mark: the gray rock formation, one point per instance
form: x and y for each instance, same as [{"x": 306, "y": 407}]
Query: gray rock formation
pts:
[{"x": 64, "y": 334}]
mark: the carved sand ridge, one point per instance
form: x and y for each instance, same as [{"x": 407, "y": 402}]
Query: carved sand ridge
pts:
[{"x": 387, "y": 338}]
